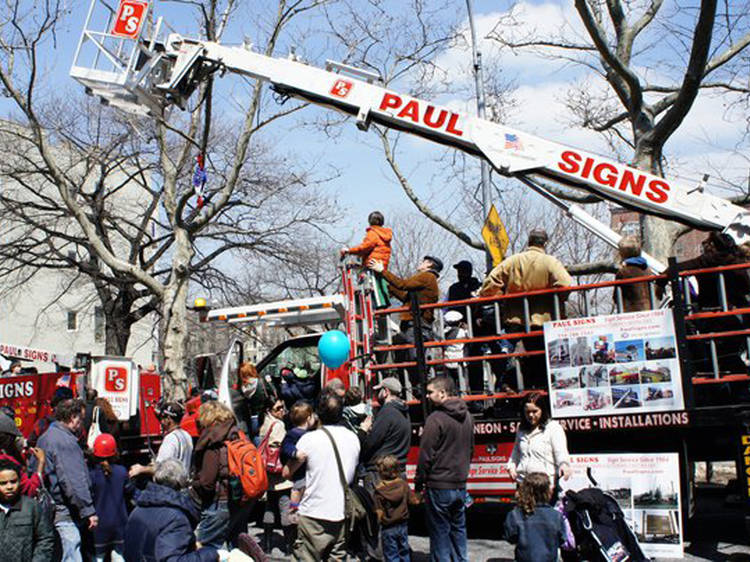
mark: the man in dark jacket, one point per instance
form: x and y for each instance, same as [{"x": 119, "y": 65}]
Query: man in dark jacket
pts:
[
  {"x": 26, "y": 535},
  {"x": 68, "y": 477},
  {"x": 160, "y": 529},
  {"x": 445, "y": 452},
  {"x": 388, "y": 434},
  {"x": 390, "y": 431}
]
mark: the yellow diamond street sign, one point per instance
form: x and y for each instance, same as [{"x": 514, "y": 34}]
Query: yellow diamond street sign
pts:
[{"x": 495, "y": 236}]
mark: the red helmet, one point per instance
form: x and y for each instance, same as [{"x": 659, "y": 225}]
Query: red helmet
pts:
[{"x": 105, "y": 446}]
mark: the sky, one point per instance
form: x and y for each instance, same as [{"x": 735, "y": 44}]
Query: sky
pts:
[{"x": 708, "y": 138}]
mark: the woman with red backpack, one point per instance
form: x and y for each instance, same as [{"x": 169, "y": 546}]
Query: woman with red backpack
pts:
[
  {"x": 111, "y": 490},
  {"x": 215, "y": 491}
]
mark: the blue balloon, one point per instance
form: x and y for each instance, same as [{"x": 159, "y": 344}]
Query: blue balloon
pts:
[{"x": 333, "y": 348}]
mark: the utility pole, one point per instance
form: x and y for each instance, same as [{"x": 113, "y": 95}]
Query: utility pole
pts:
[{"x": 479, "y": 83}]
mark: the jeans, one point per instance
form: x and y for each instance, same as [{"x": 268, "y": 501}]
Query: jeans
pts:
[
  {"x": 212, "y": 529},
  {"x": 70, "y": 538},
  {"x": 446, "y": 521},
  {"x": 114, "y": 557},
  {"x": 396, "y": 543}
]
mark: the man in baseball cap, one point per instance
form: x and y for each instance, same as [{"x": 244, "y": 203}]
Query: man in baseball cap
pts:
[
  {"x": 388, "y": 434},
  {"x": 424, "y": 284},
  {"x": 177, "y": 443}
]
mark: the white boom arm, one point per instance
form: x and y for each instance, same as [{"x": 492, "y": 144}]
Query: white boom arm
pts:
[{"x": 170, "y": 73}]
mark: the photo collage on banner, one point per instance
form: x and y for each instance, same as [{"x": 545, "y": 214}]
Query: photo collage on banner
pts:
[
  {"x": 647, "y": 489},
  {"x": 620, "y": 363}
]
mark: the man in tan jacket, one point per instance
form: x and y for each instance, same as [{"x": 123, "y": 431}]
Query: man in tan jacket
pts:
[{"x": 531, "y": 270}]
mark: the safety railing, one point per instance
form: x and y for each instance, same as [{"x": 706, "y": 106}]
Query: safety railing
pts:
[{"x": 496, "y": 345}]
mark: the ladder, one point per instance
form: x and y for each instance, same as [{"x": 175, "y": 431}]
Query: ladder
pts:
[{"x": 359, "y": 319}]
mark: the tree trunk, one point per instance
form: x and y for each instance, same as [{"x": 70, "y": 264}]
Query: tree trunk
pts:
[
  {"x": 175, "y": 320},
  {"x": 117, "y": 323},
  {"x": 657, "y": 235},
  {"x": 117, "y": 333}
]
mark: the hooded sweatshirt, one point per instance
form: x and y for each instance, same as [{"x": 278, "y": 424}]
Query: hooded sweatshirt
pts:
[
  {"x": 390, "y": 434},
  {"x": 376, "y": 245},
  {"x": 392, "y": 499},
  {"x": 446, "y": 447}
]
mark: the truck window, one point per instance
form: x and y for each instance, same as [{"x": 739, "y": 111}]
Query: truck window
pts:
[{"x": 295, "y": 358}]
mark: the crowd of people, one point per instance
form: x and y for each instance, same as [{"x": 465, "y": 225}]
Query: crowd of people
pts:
[
  {"x": 72, "y": 499},
  {"x": 64, "y": 494}
]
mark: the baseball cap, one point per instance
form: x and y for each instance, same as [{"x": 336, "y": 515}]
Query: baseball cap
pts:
[
  {"x": 172, "y": 410},
  {"x": 463, "y": 264},
  {"x": 437, "y": 263},
  {"x": 453, "y": 317},
  {"x": 391, "y": 383}
]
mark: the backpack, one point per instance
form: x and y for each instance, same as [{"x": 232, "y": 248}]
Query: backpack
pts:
[{"x": 247, "y": 471}]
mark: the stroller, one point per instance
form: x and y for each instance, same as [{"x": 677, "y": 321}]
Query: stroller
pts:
[{"x": 599, "y": 527}]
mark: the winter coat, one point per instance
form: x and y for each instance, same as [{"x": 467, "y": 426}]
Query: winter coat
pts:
[
  {"x": 392, "y": 499},
  {"x": 66, "y": 474},
  {"x": 375, "y": 246},
  {"x": 289, "y": 449},
  {"x": 353, "y": 416},
  {"x": 538, "y": 536},
  {"x": 254, "y": 401},
  {"x": 299, "y": 388},
  {"x": 161, "y": 528},
  {"x": 110, "y": 496},
  {"x": 635, "y": 296},
  {"x": 461, "y": 290},
  {"x": 210, "y": 463},
  {"x": 446, "y": 447},
  {"x": 424, "y": 283},
  {"x": 390, "y": 434},
  {"x": 531, "y": 270},
  {"x": 26, "y": 535},
  {"x": 737, "y": 282}
]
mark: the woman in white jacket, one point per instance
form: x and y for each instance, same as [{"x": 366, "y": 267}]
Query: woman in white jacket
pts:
[{"x": 541, "y": 445}]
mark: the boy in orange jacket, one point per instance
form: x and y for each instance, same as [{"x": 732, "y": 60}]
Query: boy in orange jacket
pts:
[{"x": 376, "y": 245}]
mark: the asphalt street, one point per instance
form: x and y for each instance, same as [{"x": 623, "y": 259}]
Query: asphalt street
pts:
[{"x": 487, "y": 550}]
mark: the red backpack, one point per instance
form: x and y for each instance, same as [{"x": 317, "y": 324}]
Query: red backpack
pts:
[{"x": 246, "y": 469}]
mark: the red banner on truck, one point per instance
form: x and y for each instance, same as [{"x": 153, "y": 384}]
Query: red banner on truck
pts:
[{"x": 30, "y": 396}]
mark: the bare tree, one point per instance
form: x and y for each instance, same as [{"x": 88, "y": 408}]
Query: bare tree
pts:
[
  {"x": 655, "y": 59},
  {"x": 247, "y": 176}
]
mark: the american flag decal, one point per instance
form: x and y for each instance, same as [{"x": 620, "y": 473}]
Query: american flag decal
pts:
[{"x": 513, "y": 142}]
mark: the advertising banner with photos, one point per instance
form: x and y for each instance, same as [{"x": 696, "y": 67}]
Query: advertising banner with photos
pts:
[
  {"x": 614, "y": 364},
  {"x": 647, "y": 489}
]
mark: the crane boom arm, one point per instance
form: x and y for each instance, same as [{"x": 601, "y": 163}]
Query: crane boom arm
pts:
[
  {"x": 153, "y": 75},
  {"x": 510, "y": 151}
]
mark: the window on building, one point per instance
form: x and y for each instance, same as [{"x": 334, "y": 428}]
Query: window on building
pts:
[
  {"x": 72, "y": 320},
  {"x": 631, "y": 228},
  {"x": 99, "y": 324}
]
